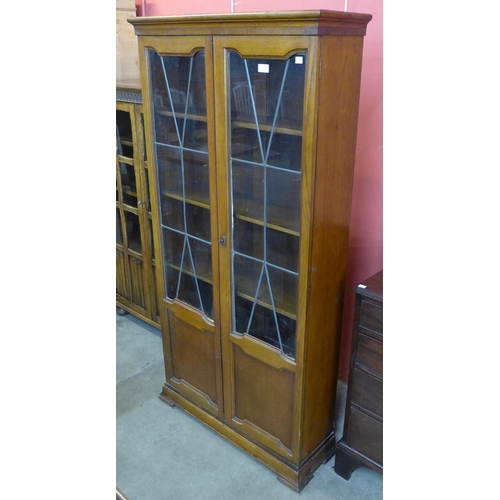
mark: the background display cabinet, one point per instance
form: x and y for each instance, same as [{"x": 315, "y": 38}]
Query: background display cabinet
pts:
[
  {"x": 135, "y": 278},
  {"x": 251, "y": 126}
]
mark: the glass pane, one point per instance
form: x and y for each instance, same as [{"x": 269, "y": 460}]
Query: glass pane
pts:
[
  {"x": 146, "y": 187},
  {"x": 285, "y": 152},
  {"x": 150, "y": 225},
  {"x": 248, "y": 239},
  {"x": 263, "y": 325},
  {"x": 179, "y": 100},
  {"x": 283, "y": 200},
  {"x": 133, "y": 232},
  {"x": 124, "y": 134},
  {"x": 124, "y": 147},
  {"x": 270, "y": 89},
  {"x": 181, "y": 147},
  {"x": 129, "y": 192},
  {"x": 266, "y": 109},
  {"x": 119, "y": 235},
  {"x": 188, "y": 270},
  {"x": 144, "y": 138},
  {"x": 188, "y": 172},
  {"x": 276, "y": 243}
]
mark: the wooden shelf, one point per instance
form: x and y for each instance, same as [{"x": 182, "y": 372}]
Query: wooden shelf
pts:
[
  {"x": 181, "y": 115},
  {"x": 205, "y": 274},
  {"x": 283, "y": 303},
  {"x": 128, "y": 208},
  {"x": 134, "y": 249},
  {"x": 127, "y": 141},
  {"x": 282, "y": 126},
  {"x": 278, "y": 217},
  {"x": 130, "y": 192},
  {"x": 289, "y": 127},
  {"x": 193, "y": 198}
]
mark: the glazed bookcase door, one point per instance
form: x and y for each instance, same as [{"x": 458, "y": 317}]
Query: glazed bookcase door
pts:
[
  {"x": 180, "y": 94},
  {"x": 265, "y": 98},
  {"x": 154, "y": 285}
]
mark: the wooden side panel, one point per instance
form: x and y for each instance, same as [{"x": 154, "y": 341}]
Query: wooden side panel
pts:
[{"x": 337, "y": 127}]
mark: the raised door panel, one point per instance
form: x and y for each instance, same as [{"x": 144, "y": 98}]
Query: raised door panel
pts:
[
  {"x": 181, "y": 168},
  {"x": 122, "y": 285},
  {"x": 137, "y": 279},
  {"x": 261, "y": 97},
  {"x": 193, "y": 370}
]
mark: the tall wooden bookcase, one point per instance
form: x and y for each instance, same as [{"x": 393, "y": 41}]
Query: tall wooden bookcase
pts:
[{"x": 251, "y": 124}]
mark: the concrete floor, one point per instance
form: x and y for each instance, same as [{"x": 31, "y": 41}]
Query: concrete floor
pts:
[{"x": 162, "y": 453}]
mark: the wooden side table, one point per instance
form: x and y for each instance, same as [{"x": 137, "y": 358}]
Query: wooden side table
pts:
[{"x": 361, "y": 444}]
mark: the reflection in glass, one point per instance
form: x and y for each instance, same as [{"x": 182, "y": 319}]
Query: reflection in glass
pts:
[
  {"x": 266, "y": 109},
  {"x": 181, "y": 147},
  {"x": 133, "y": 229},
  {"x": 125, "y": 150},
  {"x": 124, "y": 133},
  {"x": 150, "y": 225},
  {"x": 263, "y": 325},
  {"x": 119, "y": 234}
]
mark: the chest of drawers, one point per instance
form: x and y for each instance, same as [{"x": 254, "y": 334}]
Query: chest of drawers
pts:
[{"x": 361, "y": 444}]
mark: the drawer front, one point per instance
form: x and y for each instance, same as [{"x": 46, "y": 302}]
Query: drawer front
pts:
[
  {"x": 367, "y": 392},
  {"x": 365, "y": 434},
  {"x": 369, "y": 354},
  {"x": 371, "y": 316}
]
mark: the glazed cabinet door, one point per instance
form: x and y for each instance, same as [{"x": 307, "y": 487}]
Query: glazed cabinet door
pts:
[
  {"x": 181, "y": 161},
  {"x": 264, "y": 90}
]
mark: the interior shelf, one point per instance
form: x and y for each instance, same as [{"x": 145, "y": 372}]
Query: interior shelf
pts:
[
  {"x": 203, "y": 275},
  {"x": 181, "y": 115},
  {"x": 130, "y": 192},
  {"x": 192, "y": 197},
  {"x": 279, "y": 217},
  {"x": 125, "y": 159},
  {"x": 284, "y": 303},
  {"x": 126, "y": 141},
  {"x": 288, "y": 127}
]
